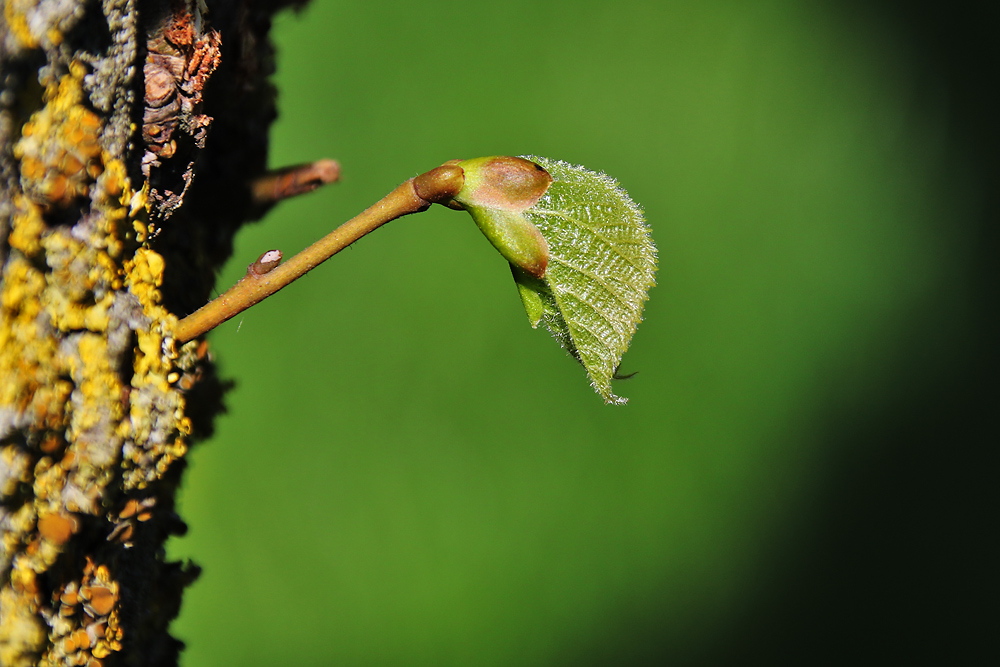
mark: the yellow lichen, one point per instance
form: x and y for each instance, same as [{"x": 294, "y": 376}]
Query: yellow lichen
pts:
[
  {"x": 26, "y": 235},
  {"x": 26, "y": 283},
  {"x": 22, "y": 634},
  {"x": 96, "y": 317},
  {"x": 17, "y": 24},
  {"x": 114, "y": 182},
  {"x": 58, "y": 371},
  {"x": 78, "y": 300},
  {"x": 25, "y": 354},
  {"x": 145, "y": 275}
]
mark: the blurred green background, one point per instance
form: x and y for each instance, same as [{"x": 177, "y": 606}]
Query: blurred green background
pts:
[{"x": 409, "y": 475}]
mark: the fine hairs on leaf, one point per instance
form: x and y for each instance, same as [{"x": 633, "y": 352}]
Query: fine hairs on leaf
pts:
[{"x": 601, "y": 266}]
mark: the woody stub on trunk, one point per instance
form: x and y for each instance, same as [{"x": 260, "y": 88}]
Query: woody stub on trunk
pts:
[{"x": 133, "y": 136}]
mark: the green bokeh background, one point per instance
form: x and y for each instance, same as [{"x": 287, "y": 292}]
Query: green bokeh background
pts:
[{"x": 409, "y": 475}]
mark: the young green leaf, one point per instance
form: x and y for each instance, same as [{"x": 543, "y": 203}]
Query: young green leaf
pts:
[
  {"x": 601, "y": 265},
  {"x": 578, "y": 246}
]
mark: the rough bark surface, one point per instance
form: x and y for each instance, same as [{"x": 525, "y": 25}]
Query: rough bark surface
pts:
[{"x": 130, "y": 131}]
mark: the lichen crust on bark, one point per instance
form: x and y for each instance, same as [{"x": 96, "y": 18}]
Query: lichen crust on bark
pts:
[{"x": 97, "y": 402}]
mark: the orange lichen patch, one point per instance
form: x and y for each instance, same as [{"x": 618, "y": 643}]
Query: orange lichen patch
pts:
[
  {"x": 138, "y": 203},
  {"x": 115, "y": 183},
  {"x": 57, "y": 528},
  {"x": 95, "y": 379},
  {"x": 48, "y": 482},
  {"x": 95, "y": 633},
  {"x": 74, "y": 637},
  {"x": 78, "y": 639},
  {"x": 189, "y": 380},
  {"x": 99, "y": 592},
  {"x": 59, "y": 147},
  {"x": 125, "y": 520},
  {"x": 131, "y": 509},
  {"x": 104, "y": 649},
  {"x": 122, "y": 532},
  {"x": 51, "y": 444},
  {"x": 96, "y": 318},
  {"x": 102, "y": 600},
  {"x": 69, "y": 595},
  {"x": 33, "y": 547},
  {"x": 115, "y": 196},
  {"x": 156, "y": 409},
  {"x": 189, "y": 360},
  {"x": 67, "y": 313}
]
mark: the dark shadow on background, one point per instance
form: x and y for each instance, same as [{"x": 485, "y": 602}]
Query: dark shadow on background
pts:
[{"x": 896, "y": 561}]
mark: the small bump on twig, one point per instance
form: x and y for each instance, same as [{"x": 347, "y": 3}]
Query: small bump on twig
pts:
[{"x": 265, "y": 263}]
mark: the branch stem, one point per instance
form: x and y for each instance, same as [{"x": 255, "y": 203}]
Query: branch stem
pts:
[
  {"x": 415, "y": 195},
  {"x": 287, "y": 182}
]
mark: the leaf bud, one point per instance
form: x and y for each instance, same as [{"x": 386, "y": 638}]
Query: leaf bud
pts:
[
  {"x": 496, "y": 192},
  {"x": 439, "y": 185}
]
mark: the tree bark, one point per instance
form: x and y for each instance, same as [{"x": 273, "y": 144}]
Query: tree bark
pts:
[{"x": 130, "y": 134}]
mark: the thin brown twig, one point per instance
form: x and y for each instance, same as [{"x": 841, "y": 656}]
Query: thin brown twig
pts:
[
  {"x": 286, "y": 182},
  {"x": 438, "y": 185}
]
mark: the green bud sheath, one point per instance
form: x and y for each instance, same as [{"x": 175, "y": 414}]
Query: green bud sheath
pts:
[
  {"x": 496, "y": 192},
  {"x": 530, "y": 290}
]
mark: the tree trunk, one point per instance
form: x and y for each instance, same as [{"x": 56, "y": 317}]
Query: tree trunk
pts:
[{"x": 130, "y": 131}]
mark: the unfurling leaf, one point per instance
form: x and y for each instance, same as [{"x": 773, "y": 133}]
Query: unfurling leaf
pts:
[
  {"x": 579, "y": 248},
  {"x": 601, "y": 266}
]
